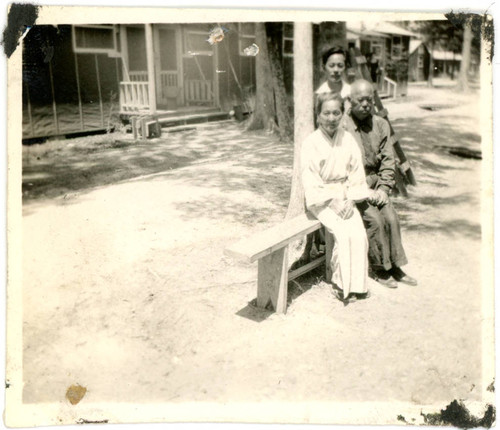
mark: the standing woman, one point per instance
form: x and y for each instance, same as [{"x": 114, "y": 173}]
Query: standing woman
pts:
[
  {"x": 334, "y": 66},
  {"x": 334, "y": 180}
]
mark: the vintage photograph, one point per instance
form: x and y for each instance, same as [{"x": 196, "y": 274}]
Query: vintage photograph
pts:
[{"x": 268, "y": 217}]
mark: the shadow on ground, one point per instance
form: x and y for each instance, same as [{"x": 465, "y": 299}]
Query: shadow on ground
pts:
[
  {"x": 230, "y": 160},
  {"x": 56, "y": 168},
  {"x": 296, "y": 288}
]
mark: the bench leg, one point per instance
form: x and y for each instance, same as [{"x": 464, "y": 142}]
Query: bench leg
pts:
[
  {"x": 329, "y": 241},
  {"x": 272, "y": 280}
]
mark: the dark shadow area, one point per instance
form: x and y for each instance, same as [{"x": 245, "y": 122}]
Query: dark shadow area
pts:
[
  {"x": 304, "y": 283},
  {"x": 253, "y": 162},
  {"x": 254, "y": 313},
  {"x": 296, "y": 288},
  {"x": 435, "y": 106},
  {"x": 424, "y": 138},
  {"x": 462, "y": 152},
  {"x": 54, "y": 169},
  {"x": 456, "y": 227},
  {"x": 219, "y": 207}
]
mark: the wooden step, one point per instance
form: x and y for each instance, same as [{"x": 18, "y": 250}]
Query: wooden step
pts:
[
  {"x": 191, "y": 119},
  {"x": 179, "y": 128}
]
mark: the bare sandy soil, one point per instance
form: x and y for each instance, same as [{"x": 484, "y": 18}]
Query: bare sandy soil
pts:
[{"x": 127, "y": 292}]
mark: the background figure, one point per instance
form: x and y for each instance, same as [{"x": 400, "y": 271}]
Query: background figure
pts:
[
  {"x": 334, "y": 66},
  {"x": 386, "y": 253},
  {"x": 334, "y": 179},
  {"x": 373, "y": 66}
]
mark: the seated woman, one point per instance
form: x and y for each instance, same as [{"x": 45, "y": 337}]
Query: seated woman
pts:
[
  {"x": 334, "y": 179},
  {"x": 334, "y": 67}
]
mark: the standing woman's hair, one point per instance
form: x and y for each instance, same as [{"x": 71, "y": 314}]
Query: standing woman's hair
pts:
[
  {"x": 326, "y": 97},
  {"x": 333, "y": 50}
]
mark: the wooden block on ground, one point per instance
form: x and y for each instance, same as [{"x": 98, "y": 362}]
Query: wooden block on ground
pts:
[{"x": 133, "y": 120}]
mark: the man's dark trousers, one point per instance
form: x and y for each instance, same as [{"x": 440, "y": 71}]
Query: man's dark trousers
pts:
[{"x": 384, "y": 236}]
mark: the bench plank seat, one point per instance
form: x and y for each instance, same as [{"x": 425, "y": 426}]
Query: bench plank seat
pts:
[
  {"x": 270, "y": 248},
  {"x": 272, "y": 239}
]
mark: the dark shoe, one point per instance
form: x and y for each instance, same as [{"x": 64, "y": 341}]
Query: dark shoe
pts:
[
  {"x": 401, "y": 276},
  {"x": 384, "y": 278},
  {"x": 338, "y": 293},
  {"x": 362, "y": 296}
]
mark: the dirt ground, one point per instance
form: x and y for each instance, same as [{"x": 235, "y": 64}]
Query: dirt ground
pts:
[{"x": 127, "y": 292}]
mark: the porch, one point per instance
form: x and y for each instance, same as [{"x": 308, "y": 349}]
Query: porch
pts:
[
  {"x": 175, "y": 69},
  {"x": 135, "y": 93}
]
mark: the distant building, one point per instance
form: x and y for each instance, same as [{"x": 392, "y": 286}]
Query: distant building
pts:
[
  {"x": 76, "y": 76},
  {"x": 418, "y": 61},
  {"x": 446, "y": 63},
  {"x": 388, "y": 44}
]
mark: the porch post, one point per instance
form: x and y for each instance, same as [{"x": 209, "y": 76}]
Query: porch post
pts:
[
  {"x": 124, "y": 52},
  {"x": 151, "y": 68},
  {"x": 216, "y": 75}
]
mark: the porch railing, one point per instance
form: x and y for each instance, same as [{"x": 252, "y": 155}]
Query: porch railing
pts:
[
  {"x": 169, "y": 83},
  {"x": 134, "y": 96},
  {"x": 389, "y": 87},
  {"x": 198, "y": 91},
  {"x": 138, "y": 76}
]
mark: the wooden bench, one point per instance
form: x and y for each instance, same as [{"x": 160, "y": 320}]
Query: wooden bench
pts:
[{"x": 270, "y": 248}]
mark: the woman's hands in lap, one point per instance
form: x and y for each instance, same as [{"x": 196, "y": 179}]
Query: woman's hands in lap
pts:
[{"x": 343, "y": 208}]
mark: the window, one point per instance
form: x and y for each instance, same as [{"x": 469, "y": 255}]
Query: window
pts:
[
  {"x": 420, "y": 63},
  {"x": 246, "y": 31},
  {"x": 94, "y": 39},
  {"x": 288, "y": 39},
  {"x": 396, "y": 47},
  {"x": 377, "y": 49},
  {"x": 195, "y": 43},
  {"x": 396, "y": 52},
  {"x": 365, "y": 47}
]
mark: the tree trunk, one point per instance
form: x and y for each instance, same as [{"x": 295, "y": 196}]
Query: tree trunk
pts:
[
  {"x": 263, "y": 114},
  {"x": 463, "y": 78},
  {"x": 431, "y": 66},
  {"x": 452, "y": 75},
  {"x": 303, "y": 108},
  {"x": 282, "y": 106}
]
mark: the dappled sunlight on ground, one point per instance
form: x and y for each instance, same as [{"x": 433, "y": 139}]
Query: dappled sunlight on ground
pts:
[
  {"x": 125, "y": 275},
  {"x": 77, "y": 165}
]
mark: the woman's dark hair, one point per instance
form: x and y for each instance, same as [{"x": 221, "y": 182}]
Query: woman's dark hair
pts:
[
  {"x": 326, "y": 97},
  {"x": 333, "y": 50}
]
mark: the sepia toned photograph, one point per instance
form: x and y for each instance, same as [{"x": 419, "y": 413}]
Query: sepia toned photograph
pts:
[{"x": 249, "y": 216}]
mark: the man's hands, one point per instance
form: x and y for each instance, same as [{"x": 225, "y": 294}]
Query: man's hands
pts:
[
  {"x": 343, "y": 208},
  {"x": 378, "y": 197}
]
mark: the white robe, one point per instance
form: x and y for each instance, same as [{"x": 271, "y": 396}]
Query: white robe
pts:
[
  {"x": 333, "y": 169},
  {"x": 344, "y": 92}
]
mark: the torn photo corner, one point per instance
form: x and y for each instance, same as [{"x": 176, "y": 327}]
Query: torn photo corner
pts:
[{"x": 161, "y": 267}]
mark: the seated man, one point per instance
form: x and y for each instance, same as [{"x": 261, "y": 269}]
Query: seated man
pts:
[{"x": 386, "y": 254}]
